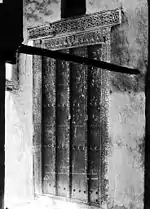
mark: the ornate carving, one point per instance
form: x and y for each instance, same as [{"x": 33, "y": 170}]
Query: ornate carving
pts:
[
  {"x": 65, "y": 34},
  {"x": 78, "y": 40},
  {"x": 77, "y": 25}
]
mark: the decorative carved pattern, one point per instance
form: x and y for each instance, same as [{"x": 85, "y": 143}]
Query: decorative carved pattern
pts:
[
  {"x": 76, "y": 25},
  {"x": 37, "y": 118},
  {"x": 65, "y": 34},
  {"x": 78, "y": 40}
]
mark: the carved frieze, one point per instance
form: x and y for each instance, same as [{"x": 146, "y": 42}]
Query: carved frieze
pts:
[
  {"x": 76, "y": 25},
  {"x": 78, "y": 40}
]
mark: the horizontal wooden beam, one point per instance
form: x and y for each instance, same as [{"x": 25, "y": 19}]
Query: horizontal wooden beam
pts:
[{"x": 77, "y": 59}]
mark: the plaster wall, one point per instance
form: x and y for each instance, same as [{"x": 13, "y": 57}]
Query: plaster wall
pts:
[
  {"x": 18, "y": 154},
  {"x": 125, "y": 159}
]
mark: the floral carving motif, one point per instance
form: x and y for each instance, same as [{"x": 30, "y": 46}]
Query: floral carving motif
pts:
[
  {"x": 75, "y": 40},
  {"x": 77, "y": 25}
]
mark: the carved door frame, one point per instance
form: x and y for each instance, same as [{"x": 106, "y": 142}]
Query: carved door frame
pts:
[{"x": 86, "y": 30}]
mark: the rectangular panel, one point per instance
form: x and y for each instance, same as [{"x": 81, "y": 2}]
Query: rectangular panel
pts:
[
  {"x": 37, "y": 118},
  {"x": 63, "y": 127},
  {"x": 98, "y": 133},
  {"x": 78, "y": 90},
  {"x": 94, "y": 128},
  {"x": 49, "y": 176},
  {"x": 105, "y": 142},
  {"x": 73, "y": 124},
  {"x": 49, "y": 125},
  {"x": 94, "y": 164}
]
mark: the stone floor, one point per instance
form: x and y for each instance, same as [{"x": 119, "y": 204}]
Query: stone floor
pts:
[{"x": 44, "y": 203}]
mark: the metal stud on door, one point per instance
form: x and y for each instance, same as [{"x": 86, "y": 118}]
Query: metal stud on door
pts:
[
  {"x": 62, "y": 127},
  {"x": 79, "y": 127}
]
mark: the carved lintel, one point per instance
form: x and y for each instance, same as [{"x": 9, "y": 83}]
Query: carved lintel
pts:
[
  {"x": 78, "y": 40},
  {"x": 76, "y": 25}
]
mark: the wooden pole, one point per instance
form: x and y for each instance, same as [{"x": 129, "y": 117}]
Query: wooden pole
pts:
[
  {"x": 77, "y": 59},
  {"x": 72, "y": 8}
]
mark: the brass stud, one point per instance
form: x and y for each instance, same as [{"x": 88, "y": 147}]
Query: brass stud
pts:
[
  {"x": 81, "y": 147},
  {"x": 95, "y": 148}
]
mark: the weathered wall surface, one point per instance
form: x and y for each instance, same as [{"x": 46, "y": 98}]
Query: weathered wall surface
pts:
[
  {"x": 125, "y": 159},
  {"x": 126, "y": 104},
  {"x": 126, "y": 107},
  {"x": 18, "y": 145}
]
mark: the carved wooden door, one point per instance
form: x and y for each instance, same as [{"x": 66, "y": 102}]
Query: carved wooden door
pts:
[
  {"x": 73, "y": 111},
  {"x": 72, "y": 128}
]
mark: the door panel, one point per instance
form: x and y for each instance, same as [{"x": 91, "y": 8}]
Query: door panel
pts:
[
  {"x": 94, "y": 92},
  {"x": 49, "y": 125},
  {"x": 62, "y": 127},
  {"x": 79, "y": 127},
  {"x": 73, "y": 128}
]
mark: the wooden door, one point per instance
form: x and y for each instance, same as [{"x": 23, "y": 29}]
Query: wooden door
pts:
[{"x": 72, "y": 128}]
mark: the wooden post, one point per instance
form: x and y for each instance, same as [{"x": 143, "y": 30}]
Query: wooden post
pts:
[
  {"x": 2, "y": 132},
  {"x": 72, "y": 8}
]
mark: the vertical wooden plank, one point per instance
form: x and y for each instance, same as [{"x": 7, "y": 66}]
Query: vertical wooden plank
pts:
[
  {"x": 79, "y": 127},
  {"x": 63, "y": 127},
  {"x": 98, "y": 131},
  {"x": 105, "y": 142},
  {"x": 49, "y": 125},
  {"x": 37, "y": 107},
  {"x": 94, "y": 128}
]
